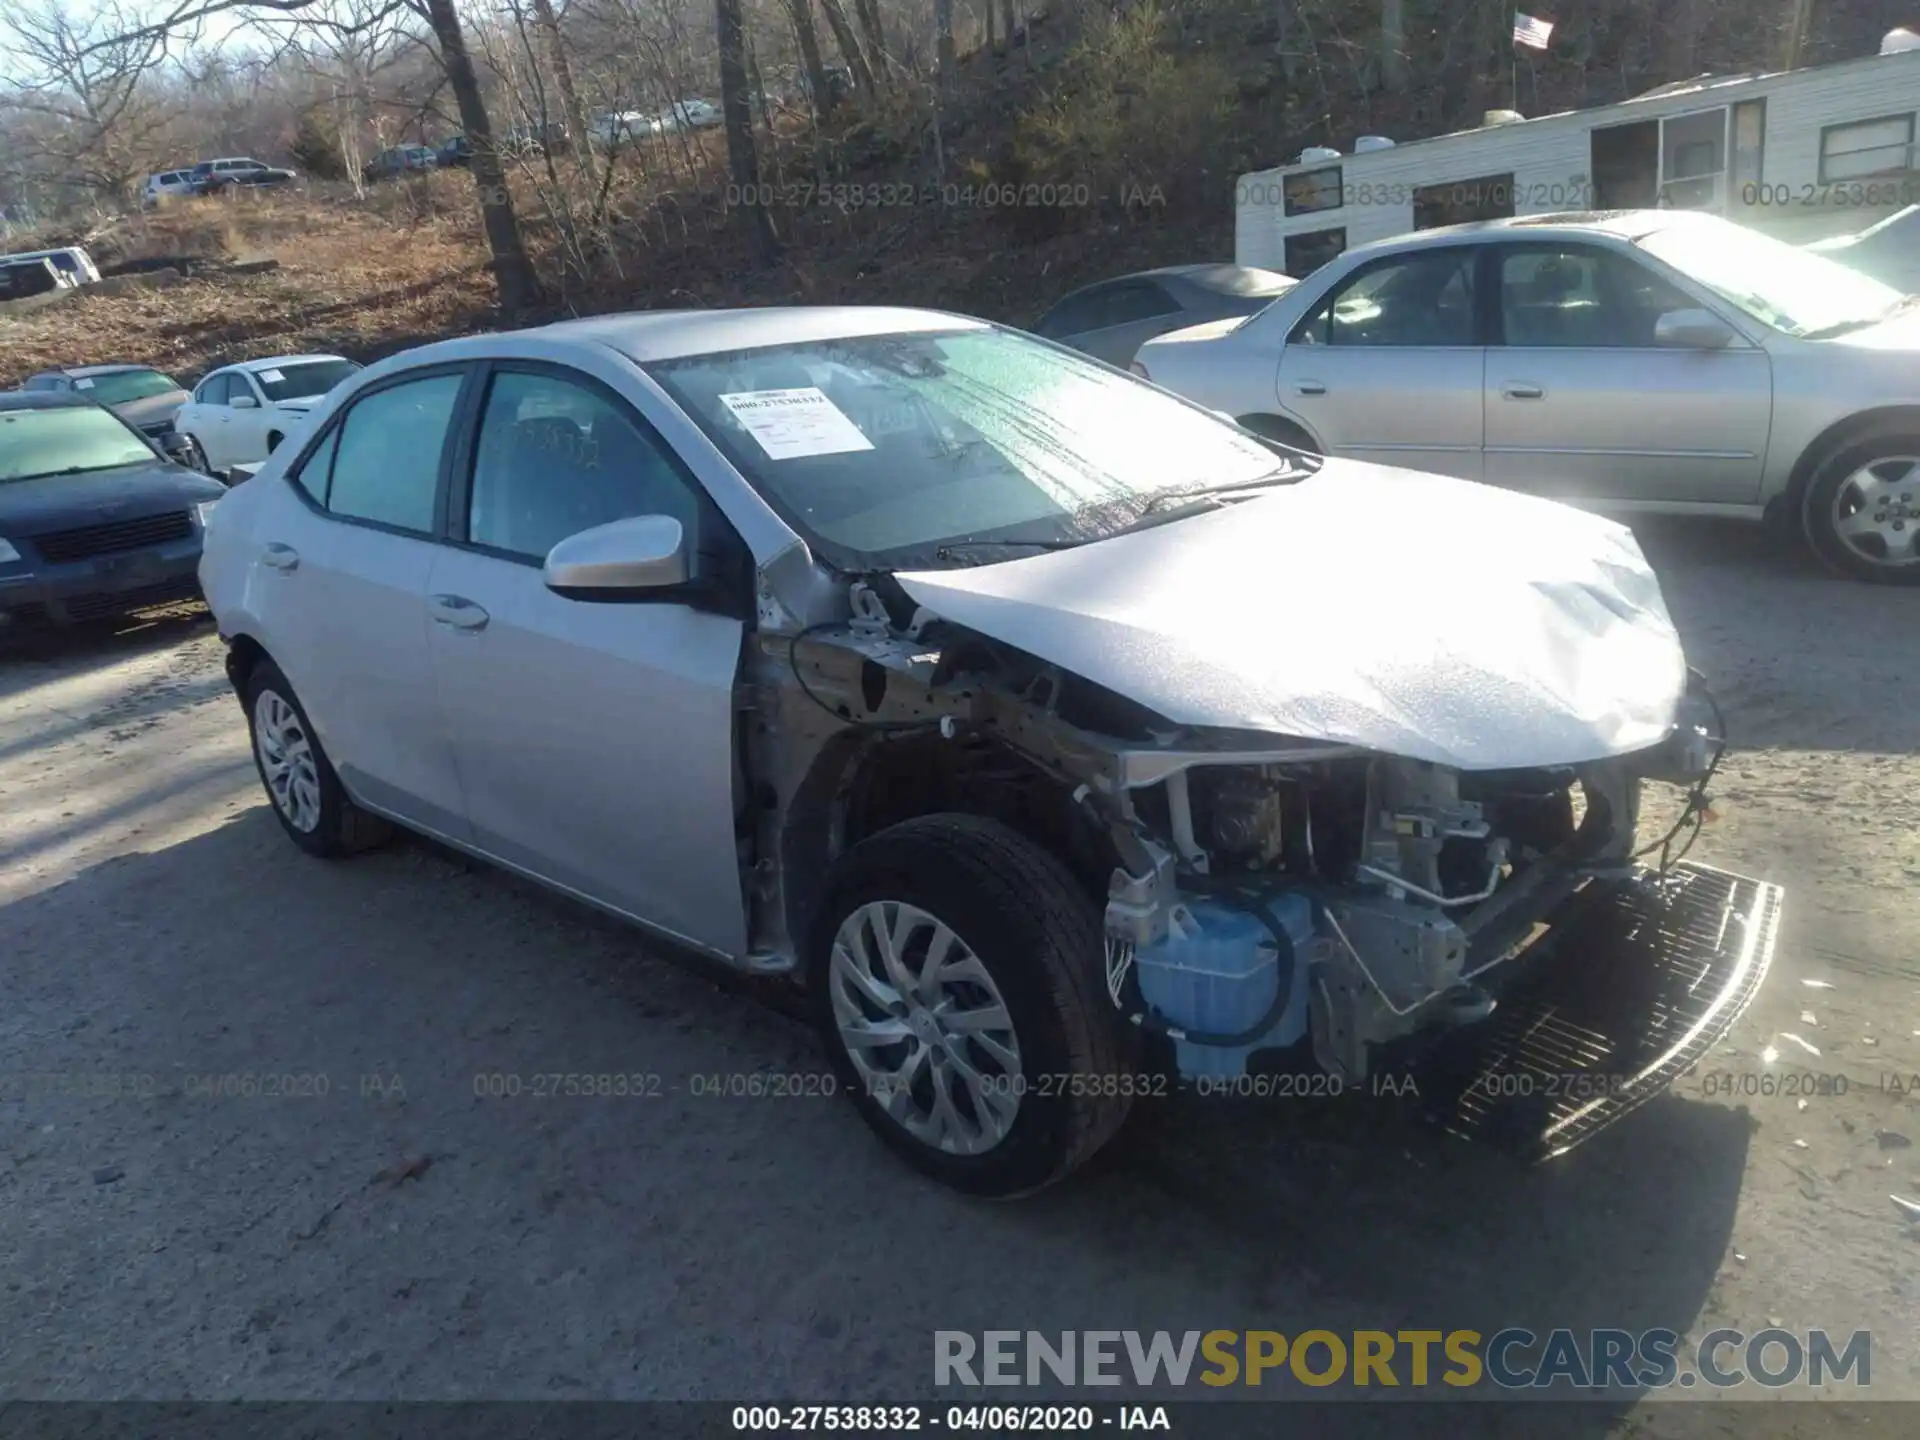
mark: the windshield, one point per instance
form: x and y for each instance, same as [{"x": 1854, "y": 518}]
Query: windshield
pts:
[
  {"x": 1781, "y": 285},
  {"x": 66, "y": 438},
  {"x": 885, "y": 450},
  {"x": 310, "y": 377},
  {"x": 121, "y": 386}
]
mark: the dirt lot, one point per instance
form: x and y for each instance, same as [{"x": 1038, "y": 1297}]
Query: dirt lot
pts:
[{"x": 399, "y": 1237}]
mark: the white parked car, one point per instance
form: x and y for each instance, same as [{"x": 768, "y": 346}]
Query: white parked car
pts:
[
  {"x": 239, "y": 415},
  {"x": 70, "y": 260},
  {"x": 1647, "y": 360},
  {"x": 167, "y": 182},
  {"x": 1054, "y": 737},
  {"x": 622, "y": 128},
  {"x": 691, "y": 115}
]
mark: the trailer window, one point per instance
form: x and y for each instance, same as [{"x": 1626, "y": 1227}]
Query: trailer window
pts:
[
  {"x": 1868, "y": 147},
  {"x": 1314, "y": 191},
  {"x": 1307, "y": 253},
  {"x": 1458, "y": 202}
]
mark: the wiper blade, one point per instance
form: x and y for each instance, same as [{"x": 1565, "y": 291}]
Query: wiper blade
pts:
[
  {"x": 960, "y": 549},
  {"x": 1286, "y": 476}
]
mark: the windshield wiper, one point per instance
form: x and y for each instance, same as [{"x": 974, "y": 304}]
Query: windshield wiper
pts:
[
  {"x": 960, "y": 549},
  {"x": 1286, "y": 475}
]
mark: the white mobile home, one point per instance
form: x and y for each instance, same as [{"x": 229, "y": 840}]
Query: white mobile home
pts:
[{"x": 1799, "y": 153}]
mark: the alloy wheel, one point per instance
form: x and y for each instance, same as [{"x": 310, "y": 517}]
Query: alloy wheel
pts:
[
  {"x": 286, "y": 761},
  {"x": 926, "y": 1027},
  {"x": 1876, "y": 511}
]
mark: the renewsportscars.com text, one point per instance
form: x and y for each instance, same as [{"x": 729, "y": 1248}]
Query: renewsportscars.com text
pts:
[{"x": 1511, "y": 1359}]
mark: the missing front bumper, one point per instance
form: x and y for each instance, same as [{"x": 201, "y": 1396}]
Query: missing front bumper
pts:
[{"x": 1634, "y": 983}]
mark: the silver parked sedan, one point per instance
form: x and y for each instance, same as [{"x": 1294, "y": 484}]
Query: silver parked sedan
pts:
[
  {"x": 1113, "y": 318},
  {"x": 995, "y": 698},
  {"x": 1640, "y": 360}
]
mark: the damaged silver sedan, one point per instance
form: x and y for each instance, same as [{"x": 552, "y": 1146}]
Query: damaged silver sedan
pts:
[{"x": 1062, "y": 741}]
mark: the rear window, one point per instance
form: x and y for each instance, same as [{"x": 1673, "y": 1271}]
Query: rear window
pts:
[{"x": 312, "y": 377}]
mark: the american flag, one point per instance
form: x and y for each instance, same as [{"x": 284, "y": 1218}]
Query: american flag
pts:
[{"x": 1532, "y": 32}]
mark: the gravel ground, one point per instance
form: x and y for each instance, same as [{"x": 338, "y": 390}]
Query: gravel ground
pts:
[{"x": 397, "y": 1236}]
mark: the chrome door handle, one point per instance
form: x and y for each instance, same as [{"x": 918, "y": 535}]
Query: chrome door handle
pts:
[
  {"x": 1520, "y": 391},
  {"x": 281, "y": 557},
  {"x": 456, "y": 612},
  {"x": 1311, "y": 387}
]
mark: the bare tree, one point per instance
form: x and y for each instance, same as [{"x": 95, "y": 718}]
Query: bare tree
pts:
[
  {"x": 850, "y": 50},
  {"x": 1793, "y": 39},
  {"x": 1393, "y": 45},
  {"x": 513, "y": 271},
  {"x": 943, "y": 40},
  {"x": 84, "y": 83},
  {"x": 800, "y": 12},
  {"x": 548, "y": 25},
  {"x": 743, "y": 159}
]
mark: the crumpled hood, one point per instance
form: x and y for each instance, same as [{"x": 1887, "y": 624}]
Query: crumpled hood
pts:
[{"x": 1423, "y": 617}]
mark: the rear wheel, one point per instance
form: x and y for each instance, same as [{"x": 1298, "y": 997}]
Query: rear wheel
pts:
[
  {"x": 307, "y": 797},
  {"x": 1861, "y": 511},
  {"x": 957, "y": 981}
]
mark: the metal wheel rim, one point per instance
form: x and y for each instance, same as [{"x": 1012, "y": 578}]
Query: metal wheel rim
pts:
[
  {"x": 926, "y": 1027},
  {"x": 1876, "y": 511},
  {"x": 286, "y": 761}
]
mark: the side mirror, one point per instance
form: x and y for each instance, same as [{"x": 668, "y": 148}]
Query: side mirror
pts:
[
  {"x": 1692, "y": 330},
  {"x": 647, "y": 552},
  {"x": 244, "y": 402},
  {"x": 177, "y": 447}
]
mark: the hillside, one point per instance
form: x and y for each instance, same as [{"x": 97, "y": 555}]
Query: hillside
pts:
[{"x": 1116, "y": 136}]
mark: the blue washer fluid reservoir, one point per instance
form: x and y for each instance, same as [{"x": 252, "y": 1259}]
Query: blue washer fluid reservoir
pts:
[{"x": 1218, "y": 969}]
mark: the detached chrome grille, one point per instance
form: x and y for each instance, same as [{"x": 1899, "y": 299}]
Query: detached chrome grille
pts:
[
  {"x": 1644, "y": 979},
  {"x": 109, "y": 539}
]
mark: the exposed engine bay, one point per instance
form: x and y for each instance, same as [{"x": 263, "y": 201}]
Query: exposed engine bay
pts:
[{"x": 1261, "y": 892}]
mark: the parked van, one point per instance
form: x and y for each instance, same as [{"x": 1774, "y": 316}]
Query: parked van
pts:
[{"x": 70, "y": 260}]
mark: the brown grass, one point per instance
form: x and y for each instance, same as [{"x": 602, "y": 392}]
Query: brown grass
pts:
[{"x": 349, "y": 281}]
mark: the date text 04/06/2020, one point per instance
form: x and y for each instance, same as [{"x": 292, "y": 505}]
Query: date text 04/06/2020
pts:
[{"x": 958, "y": 1419}]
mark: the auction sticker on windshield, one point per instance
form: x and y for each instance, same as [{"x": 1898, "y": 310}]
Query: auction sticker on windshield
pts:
[{"x": 790, "y": 424}]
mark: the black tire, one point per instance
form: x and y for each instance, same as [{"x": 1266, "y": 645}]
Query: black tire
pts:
[
  {"x": 274, "y": 437},
  {"x": 1038, "y": 935},
  {"x": 342, "y": 828},
  {"x": 1831, "y": 483},
  {"x": 1281, "y": 432}
]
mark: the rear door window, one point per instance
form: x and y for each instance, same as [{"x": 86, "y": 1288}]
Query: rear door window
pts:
[{"x": 386, "y": 459}]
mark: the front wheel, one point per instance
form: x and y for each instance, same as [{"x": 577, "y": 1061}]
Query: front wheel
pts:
[
  {"x": 958, "y": 984},
  {"x": 1861, "y": 513},
  {"x": 194, "y": 456}
]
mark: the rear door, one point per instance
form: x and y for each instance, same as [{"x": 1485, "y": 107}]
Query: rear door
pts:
[
  {"x": 346, "y": 545},
  {"x": 1582, "y": 404},
  {"x": 204, "y": 417},
  {"x": 248, "y": 425},
  {"x": 1388, "y": 366},
  {"x": 595, "y": 739}
]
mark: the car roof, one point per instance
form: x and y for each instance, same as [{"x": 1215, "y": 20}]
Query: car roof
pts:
[
  {"x": 1561, "y": 225},
  {"x": 648, "y": 336},
  {"x": 274, "y": 362},
  {"x": 77, "y": 372},
  {"x": 43, "y": 400}
]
